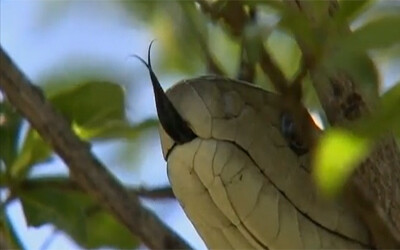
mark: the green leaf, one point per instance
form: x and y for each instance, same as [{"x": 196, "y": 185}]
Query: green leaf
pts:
[
  {"x": 386, "y": 116},
  {"x": 298, "y": 24},
  {"x": 285, "y": 51},
  {"x": 96, "y": 111},
  {"x": 91, "y": 104},
  {"x": 142, "y": 11},
  {"x": 75, "y": 213},
  {"x": 380, "y": 33},
  {"x": 10, "y": 125},
  {"x": 104, "y": 230},
  {"x": 337, "y": 155},
  {"x": 349, "y": 10},
  {"x": 180, "y": 44},
  {"x": 34, "y": 150}
]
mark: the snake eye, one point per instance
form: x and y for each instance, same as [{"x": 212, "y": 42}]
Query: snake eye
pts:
[{"x": 291, "y": 134}]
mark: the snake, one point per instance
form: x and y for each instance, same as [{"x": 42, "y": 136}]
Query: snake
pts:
[{"x": 240, "y": 172}]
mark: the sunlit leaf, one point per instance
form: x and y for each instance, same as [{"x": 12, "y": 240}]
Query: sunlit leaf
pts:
[
  {"x": 10, "y": 125},
  {"x": 77, "y": 214},
  {"x": 338, "y": 154}
]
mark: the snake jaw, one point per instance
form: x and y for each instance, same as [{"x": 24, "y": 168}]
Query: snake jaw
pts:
[{"x": 171, "y": 121}]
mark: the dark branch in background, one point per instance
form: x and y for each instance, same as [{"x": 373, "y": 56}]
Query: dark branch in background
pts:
[
  {"x": 247, "y": 69},
  {"x": 85, "y": 168},
  {"x": 374, "y": 189},
  {"x": 296, "y": 87},
  {"x": 276, "y": 76},
  {"x": 155, "y": 193},
  {"x": 233, "y": 14},
  {"x": 3, "y": 241},
  {"x": 212, "y": 65}
]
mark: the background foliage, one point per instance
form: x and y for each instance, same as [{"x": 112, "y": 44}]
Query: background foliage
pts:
[{"x": 190, "y": 42}]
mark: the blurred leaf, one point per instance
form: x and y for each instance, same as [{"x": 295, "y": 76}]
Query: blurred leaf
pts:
[
  {"x": 379, "y": 33},
  {"x": 91, "y": 104},
  {"x": 180, "y": 42},
  {"x": 349, "y": 10},
  {"x": 298, "y": 24},
  {"x": 34, "y": 150},
  {"x": 7, "y": 230},
  {"x": 10, "y": 126},
  {"x": 225, "y": 49},
  {"x": 115, "y": 130},
  {"x": 339, "y": 152},
  {"x": 386, "y": 118},
  {"x": 142, "y": 11},
  {"x": 104, "y": 230},
  {"x": 285, "y": 51},
  {"x": 389, "y": 110},
  {"x": 77, "y": 214},
  {"x": 197, "y": 25}
]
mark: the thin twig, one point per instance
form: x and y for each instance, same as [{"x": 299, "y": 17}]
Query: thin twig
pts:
[
  {"x": 276, "y": 76},
  {"x": 296, "y": 86},
  {"x": 84, "y": 167},
  {"x": 235, "y": 17},
  {"x": 247, "y": 69}
]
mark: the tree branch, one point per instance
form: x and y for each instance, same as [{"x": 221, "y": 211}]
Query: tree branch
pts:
[
  {"x": 374, "y": 189},
  {"x": 155, "y": 193},
  {"x": 63, "y": 183},
  {"x": 84, "y": 167}
]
